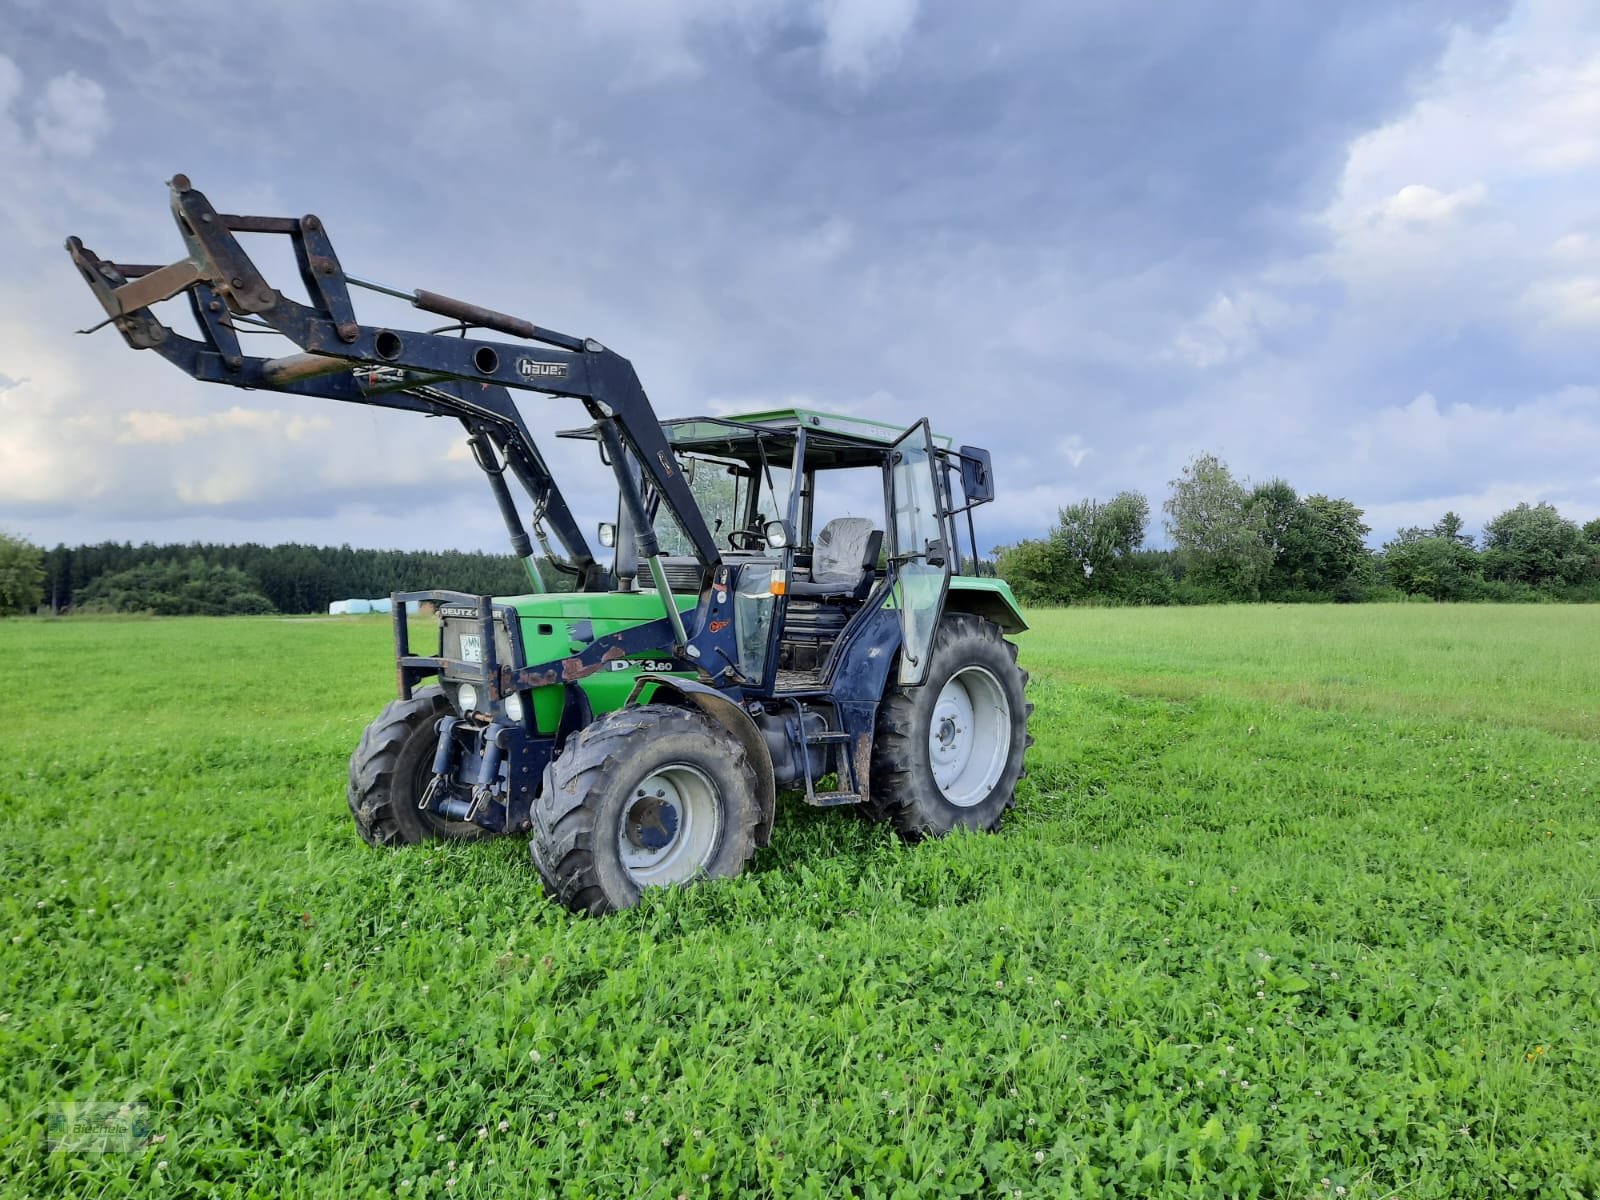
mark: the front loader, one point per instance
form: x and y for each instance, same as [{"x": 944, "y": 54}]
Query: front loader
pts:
[{"x": 777, "y": 605}]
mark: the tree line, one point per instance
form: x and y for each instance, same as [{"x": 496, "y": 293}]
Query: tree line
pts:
[
  {"x": 1230, "y": 541},
  {"x": 1235, "y": 542},
  {"x": 216, "y": 579}
]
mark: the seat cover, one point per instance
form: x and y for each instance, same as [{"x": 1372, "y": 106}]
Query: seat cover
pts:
[{"x": 841, "y": 551}]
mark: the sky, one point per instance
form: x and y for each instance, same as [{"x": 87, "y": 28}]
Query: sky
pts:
[{"x": 1355, "y": 246}]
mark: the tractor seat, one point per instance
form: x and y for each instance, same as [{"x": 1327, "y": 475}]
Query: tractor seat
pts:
[{"x": 842, "y": 562}]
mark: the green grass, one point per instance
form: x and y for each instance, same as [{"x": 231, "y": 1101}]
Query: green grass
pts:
[{"x": 1291, "y": 895}]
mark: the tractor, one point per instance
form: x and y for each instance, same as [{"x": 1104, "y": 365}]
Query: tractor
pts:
[{"x": 778, "y": 605}]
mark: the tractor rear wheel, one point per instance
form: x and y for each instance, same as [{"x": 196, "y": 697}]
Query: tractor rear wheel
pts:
[
  {"x": 389, "y": 770},
  {"x": 947, "y": 755},
  {"x": 643, "y": 797}
]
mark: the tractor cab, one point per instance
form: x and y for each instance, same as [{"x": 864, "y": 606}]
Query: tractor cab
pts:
[{"x": 823, "y": 517}]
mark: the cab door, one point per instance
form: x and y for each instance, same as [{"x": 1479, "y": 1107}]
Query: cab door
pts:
[{"x": 921, "y": 556}]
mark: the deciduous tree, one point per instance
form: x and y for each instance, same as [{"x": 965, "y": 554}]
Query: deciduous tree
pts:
[
  {"x": 1325, "y": 548},
  {"x": 1420, "y": 563},
  {"x": 1534, "y": 544},
  {"x": 1221, "y": 542},
  {"x": 1092, "y": 538},
  {"x": 1452, "y": 528},
  {"x": 1035, "y": 570},
  {"x": 21, "y": 575}
]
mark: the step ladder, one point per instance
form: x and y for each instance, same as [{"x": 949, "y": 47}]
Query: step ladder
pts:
[{"x": 842, "y": 762}]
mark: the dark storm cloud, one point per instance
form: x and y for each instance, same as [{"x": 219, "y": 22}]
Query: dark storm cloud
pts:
[{"x": 1004, "y": 216}]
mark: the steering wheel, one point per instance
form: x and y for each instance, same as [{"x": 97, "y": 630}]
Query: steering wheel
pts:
[{"x": 747, "y": 539}]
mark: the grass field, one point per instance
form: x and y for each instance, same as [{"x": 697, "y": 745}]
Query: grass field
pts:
[{"x": 1296, "y": 902}]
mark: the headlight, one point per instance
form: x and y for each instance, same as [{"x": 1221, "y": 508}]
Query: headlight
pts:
[
  {"x": 467, "y": 697},
  {"x": 514, "y": 706}
]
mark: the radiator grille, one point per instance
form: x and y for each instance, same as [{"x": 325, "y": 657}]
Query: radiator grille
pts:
[{"x": 685, "y": 576}]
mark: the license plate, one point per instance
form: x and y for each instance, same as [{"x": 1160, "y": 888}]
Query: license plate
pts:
[{"x": 472, "y": 647}]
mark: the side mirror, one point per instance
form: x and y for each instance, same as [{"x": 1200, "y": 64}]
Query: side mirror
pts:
[
  {"x": 977, "y": 478},
  {"x": 608, "y": 534},
  {"x": 778, "y": 534}
]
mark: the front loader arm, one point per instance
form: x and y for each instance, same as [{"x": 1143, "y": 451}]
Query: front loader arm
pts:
[{"x": 465, "y": 377}]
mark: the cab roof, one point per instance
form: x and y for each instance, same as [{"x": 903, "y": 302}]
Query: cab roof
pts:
[{"x": 832, "y": 439}]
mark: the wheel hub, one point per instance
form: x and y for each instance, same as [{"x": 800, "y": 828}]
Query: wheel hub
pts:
[
  {"x": 652, "y": 821},
  {"x": 670, "y": 826}
]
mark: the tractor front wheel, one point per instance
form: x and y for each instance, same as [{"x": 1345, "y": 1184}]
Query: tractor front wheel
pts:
[
  {"x": 643, "y": 797},
  {"x": 947, "y": 755},
  {"x": 389, "y": 770}
]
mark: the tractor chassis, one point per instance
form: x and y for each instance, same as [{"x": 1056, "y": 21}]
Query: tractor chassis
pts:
[{"x": 489, "y": 770}]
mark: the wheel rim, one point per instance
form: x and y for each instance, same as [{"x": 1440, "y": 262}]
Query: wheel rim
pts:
[
  {"x": 670, "y": 826},
  {"x": 969, "y": 739}
]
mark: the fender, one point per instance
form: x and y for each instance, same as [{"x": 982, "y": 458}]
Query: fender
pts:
[
  {"x": 738, "y": 723},
  {"x": 986, "y": 597}
]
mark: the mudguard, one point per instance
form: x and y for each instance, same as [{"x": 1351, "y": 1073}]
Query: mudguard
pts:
[{"x": 988, "y": 598}]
